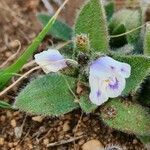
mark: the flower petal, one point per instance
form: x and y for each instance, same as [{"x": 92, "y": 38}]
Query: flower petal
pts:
[
  {"x": 49, "y": 55},
  {"x": 94, "y": 82},
  {"x": 115, "y": 86},
  {"x": 106, "y": 66},
  {"x": 125, "y": 70},
  {"x": 98, "y": 97},
  {"x": 107, "y": 79},
  {"x": 50, "y": 60}
]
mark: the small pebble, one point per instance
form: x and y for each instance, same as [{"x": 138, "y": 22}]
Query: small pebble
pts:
[
  {"x": 16, "y": 113},
  {"x": 46, "y": 141},
  {"x": 1, "y": 141},
  {"x": 13, "y": 44},
  {"x": 8, "y": 54},
  {"x": 81, "y": 142},
  {"x": 85, "y": 119},
  {"x": 3, "y": 118},
  {"x": 10, "y": 145},
  {"x": 18, "y": 148},
  {"x": 37, "y": 118},
  {"x": 60, "y": 137},
  {"x": 93, "y": 145},
  {"x": 66, "y": 126},
  {"x": 59, "y": 129},
  {"x": 30, "y": 146},
  {"x": 135, "y": 141},
  {"x": 15, "y": 143},
  {"x": 13, "y": 123},
  {"x": 79, "y": 133},
  {"x": 9, "y": 114},
  {"x": 18, "y": 132}
]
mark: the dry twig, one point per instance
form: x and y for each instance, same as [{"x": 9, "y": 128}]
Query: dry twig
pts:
[
  {"x": 64, "y": 141},
  {"x": 76, "y": 128},
  {"x": 17, "y": 81}
]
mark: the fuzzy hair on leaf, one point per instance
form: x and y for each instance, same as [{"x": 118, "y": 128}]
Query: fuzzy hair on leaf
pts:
[
  {"x": 48, "y": 95},
  {"x": 92, "y": 21},
  {"x": 126, "y": 116}
]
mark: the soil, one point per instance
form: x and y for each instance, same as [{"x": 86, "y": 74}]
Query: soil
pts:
[{"x": 20, "y": 131}]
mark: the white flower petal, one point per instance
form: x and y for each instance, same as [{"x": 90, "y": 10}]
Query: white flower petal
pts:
[
  {"x": 52, "y": 66},
  {"x": 105, "y": 66},
  {"x": 50, "y": 60},
  {"x": 94, "y": 82},
  {"x": 107, "y": 79},
  {"x": 98, "y": 69},
  {"x": 98, "y": 97},
  {"x": 125, "y": 70},
  {"x": 115, "y": 86},
  {"x": 49, "y": 55}
]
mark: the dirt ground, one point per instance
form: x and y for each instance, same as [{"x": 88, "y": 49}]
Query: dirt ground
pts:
[{"x": 20, "y": 131}]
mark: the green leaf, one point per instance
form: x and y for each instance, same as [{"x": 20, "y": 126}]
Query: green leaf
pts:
[
  {"x": 145, "y": 140},
  {"x": 126, "y": 49},
  {"x": 7, "y": 73},
  {"x": 86, "y": 104},
  {"x": 5, "y": 105},
  {"x": 60, "y": 30},
  {"x": 92, "y": 21},
  {"x": 116, "y": 42},
  {"x": 48, "y": 95},
  {"x": 110, "y": 9},
  {"x": 143, "y": 94},
  {"x": 126, "y": 116},
  {"x": 67, "y": 50},
  {"x": 140, "y": 68},
  {"x": 147, "y": 41},
  {"x": 131, "y": 19}
]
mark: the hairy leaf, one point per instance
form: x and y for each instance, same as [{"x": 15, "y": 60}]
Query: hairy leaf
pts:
[
  {"x": 60, "y": 30},
  {"x": 92, "y": 21},
  {"x": 48, "y": 95},
  {"x": 143, "y": 94},
  {"x": 86, "y": 105},
  {"x": 120, "y": 41},
  {"x": 126, "y": 116},
  {"x": 131, "y": 19},
  {"x": 147, "y": 41},
  {"x": 110, "y": 9}
]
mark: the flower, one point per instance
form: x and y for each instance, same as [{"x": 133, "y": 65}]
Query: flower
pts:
[
  {"x": 107, "y": 79},
  {"x": 50, "y": 60}
]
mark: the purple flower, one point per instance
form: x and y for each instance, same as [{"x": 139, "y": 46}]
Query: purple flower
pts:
[
  {"x": 107, "y": 79},
  {"x": 50, "y": 60}
]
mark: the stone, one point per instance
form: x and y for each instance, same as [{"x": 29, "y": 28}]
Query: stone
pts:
[
  {"x": 18, "y": 132},
  {"x": 46, "y": 141},
  {"x": 1, "y": 141},
  {"x": 37, "y": 118},
  {"x": 93, "y": 145},
  {"x": 66, "y": 126},
  {"x": 13, "y": 123}
]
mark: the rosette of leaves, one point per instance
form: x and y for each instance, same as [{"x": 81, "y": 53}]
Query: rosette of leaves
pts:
[{"x": 55, "y": 95}]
